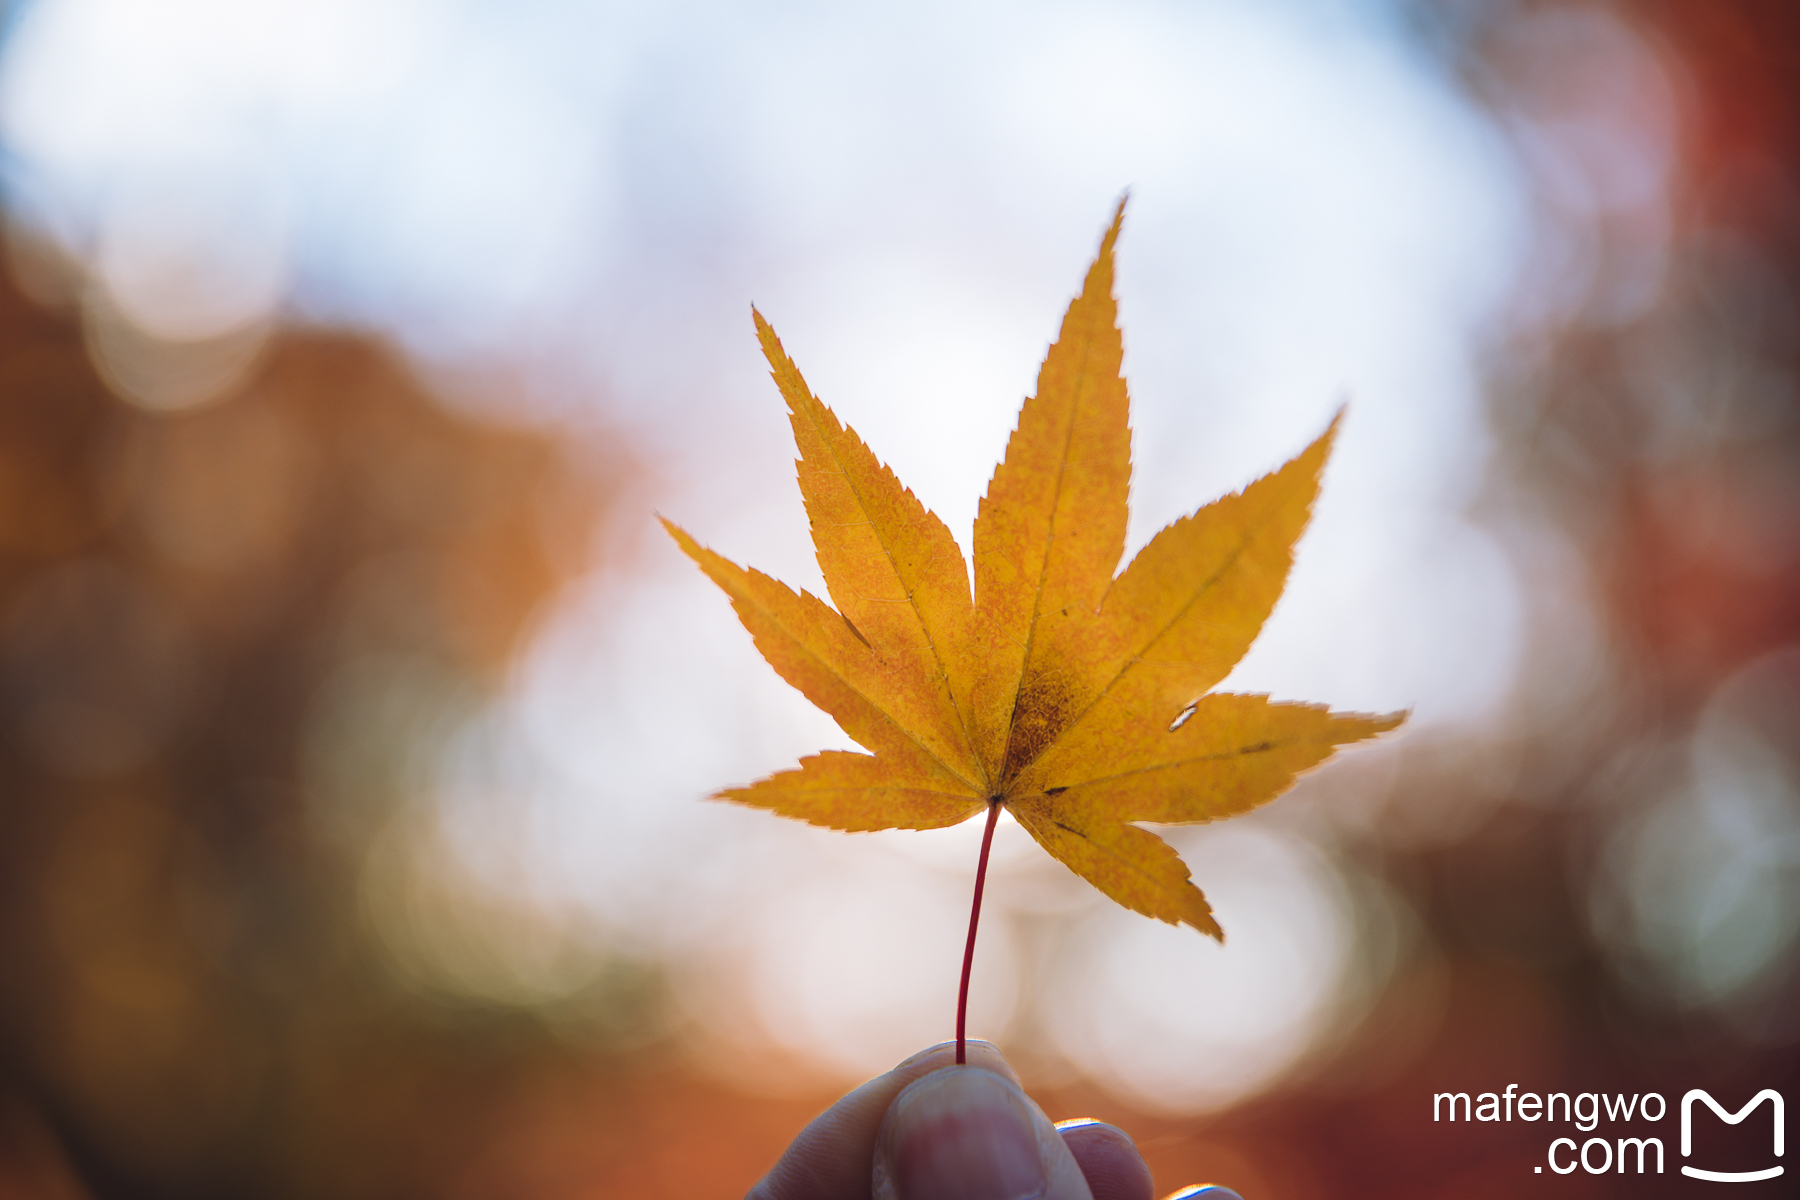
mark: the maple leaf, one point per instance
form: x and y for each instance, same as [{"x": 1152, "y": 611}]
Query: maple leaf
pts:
[{"x": 1078, "y": 699}]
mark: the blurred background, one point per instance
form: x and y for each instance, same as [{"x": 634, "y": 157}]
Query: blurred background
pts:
[{"x": 356, "y": 720}]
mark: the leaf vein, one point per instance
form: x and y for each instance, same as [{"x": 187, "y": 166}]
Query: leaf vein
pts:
[{"x": 924, "y": 626}]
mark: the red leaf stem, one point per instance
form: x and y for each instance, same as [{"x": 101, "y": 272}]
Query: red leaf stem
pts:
[{"x": 962, "y": 993}]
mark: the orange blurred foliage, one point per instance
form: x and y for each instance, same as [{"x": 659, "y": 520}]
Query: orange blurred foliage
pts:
[{"x": 189, "y": 1005}]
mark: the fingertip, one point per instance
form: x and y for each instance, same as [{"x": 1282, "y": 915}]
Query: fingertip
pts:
[
  {"x": 832, "y": 1156},
  {"x": 968, "y": 1133},
  {"x": 1108, "y": 1159},
  {"x": 980, "y": 1053}
]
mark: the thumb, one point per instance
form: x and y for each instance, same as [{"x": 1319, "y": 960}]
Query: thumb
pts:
[{"x": 964, "y": 1133}]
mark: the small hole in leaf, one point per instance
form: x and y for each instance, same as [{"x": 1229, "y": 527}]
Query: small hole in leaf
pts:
[{"x": 1181, "y": 720}]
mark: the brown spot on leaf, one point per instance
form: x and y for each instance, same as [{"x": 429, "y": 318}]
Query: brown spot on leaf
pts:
[{"x": 1040, "y": 714}]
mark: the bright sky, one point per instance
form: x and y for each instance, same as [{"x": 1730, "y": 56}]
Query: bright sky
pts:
[{"x": 596, "y": 193}]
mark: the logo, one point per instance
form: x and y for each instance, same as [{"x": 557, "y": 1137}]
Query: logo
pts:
[{"x": 1687, "y": 1134}]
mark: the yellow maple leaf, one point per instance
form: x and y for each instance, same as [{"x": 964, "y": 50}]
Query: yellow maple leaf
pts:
[{"x": 1077, "y": 699}]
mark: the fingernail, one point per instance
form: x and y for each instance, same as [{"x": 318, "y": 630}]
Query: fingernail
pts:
[{"x": 960, "y": 1133}]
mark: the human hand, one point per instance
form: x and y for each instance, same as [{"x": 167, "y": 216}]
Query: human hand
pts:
[{"x": 931, "y": 1130}]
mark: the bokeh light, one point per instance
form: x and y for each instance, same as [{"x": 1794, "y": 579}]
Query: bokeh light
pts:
[
  {"x": 356, "y": 719},
  {"x": 1183, "y": 1031}
]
